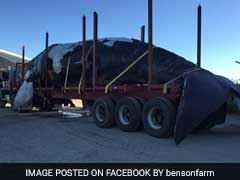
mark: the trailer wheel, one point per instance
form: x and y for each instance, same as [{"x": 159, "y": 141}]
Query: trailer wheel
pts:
[
  {"x": 159, "y": 116},
  {"x": 114, "y": 99},
  {"x": 128, "y": 114},
  {"x": 103, "y": 112},
  {"x": 140, "y": 100}
]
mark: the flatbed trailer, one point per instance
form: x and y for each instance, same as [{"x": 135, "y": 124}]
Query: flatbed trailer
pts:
[
  {"x": 143, "y": 91},
  {"x": 129, "y": 106}
]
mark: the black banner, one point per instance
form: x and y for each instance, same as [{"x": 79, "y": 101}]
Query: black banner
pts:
[{"x": 109, "y": 171}]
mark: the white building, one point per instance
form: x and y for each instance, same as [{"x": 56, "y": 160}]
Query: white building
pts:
[{"x": 10, "y": 59}]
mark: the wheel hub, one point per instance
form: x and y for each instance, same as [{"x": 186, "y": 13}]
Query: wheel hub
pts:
[
  {"x": 100, "y": 112},
  {"x": 124, "y": 115},
  {"x": 155, "y": 118}
]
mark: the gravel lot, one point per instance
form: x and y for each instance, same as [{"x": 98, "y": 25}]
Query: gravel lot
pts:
[{"x": 52, "y": 138}]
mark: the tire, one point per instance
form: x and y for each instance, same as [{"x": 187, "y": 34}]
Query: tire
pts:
[
  {"x": 103, "y": 112},
  {"x": 114, "y": 99},
  {"x": 140, "y": 100},
  {"x": 128, "y": 114},
  {"x": 166, "y": 110}
]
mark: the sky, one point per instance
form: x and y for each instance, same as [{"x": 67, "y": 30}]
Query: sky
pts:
[{"x": 174, "y": 26}]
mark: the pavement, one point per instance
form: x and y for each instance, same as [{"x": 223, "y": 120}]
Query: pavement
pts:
[{"x": 52, "y": 138}]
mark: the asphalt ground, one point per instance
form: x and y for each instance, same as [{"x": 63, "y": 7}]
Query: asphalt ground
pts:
[{"x": 52, "y": 138}]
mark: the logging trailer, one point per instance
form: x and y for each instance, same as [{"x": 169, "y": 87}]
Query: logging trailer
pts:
[{"x": 152, "y": 106}]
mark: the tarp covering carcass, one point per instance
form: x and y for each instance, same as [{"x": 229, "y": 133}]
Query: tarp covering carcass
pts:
[{"x": 204, "y": 95}]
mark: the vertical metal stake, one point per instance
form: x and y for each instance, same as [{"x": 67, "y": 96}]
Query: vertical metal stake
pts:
[
  {"x": 199, "y": 35},
  {"x": 95, "y": 41},
  {"x": 150, "y": 42},
  {"x": 46, "y": 62},
  {"x": 143, "y": 33},
  {"x": 23, "y": 62},
  {"x": 83, "y": 53}
]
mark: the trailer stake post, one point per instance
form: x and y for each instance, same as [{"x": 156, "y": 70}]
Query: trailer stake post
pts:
[
  {"x": 23, "y": 62},
  {"x": 150, "y": 42},
  {"x": 143, "y": 33},
  {"x": 46, "y": 62},
  {"x": 83, "y": 53},
  {"x": 95, "y": 41},
  {"x": 199, "y": 35}
]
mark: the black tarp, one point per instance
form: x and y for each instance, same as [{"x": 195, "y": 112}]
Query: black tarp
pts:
[{"x": 204, "y": 95}]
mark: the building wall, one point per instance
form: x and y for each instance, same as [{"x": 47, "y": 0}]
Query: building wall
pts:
[{"x": 5, "y": 63}]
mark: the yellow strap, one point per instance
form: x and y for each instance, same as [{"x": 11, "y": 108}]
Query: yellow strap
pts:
[
  {"x": 66, "y": 77},
  {"x": 79, "y": 86},
  {"x": 165, "y": 86},
  {"x": 125, "y": 70}
]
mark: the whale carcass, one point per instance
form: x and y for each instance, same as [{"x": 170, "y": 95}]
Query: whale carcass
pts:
[{"x": 204, "y": 95}]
